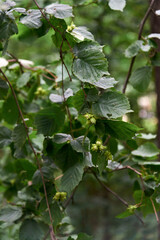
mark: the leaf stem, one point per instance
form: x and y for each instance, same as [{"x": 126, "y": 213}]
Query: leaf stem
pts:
[
  {"x": 34, "y": 152},
  {"x": 149, "y": 10}
]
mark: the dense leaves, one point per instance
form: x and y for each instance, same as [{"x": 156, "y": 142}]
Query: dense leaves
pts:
[{"x": 62, "y": 123}]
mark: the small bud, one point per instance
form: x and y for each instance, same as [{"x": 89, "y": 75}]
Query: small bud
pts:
[{"x": 87, "y": 116}]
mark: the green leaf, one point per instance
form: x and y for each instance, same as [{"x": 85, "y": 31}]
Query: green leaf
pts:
[
  {"x": 77, "y": 100},
  {"x": 121, "y": 130},
  {"x": 146, "y": 136},
  {"x": 125, "y": 214},
  {"x": 47, "y": 172},
  {"x": 133, "y": 49},
  {"x": 62, "y": 138},
  {"x": 105, "y": 82},
  {"x": 81, "y": 144},
  {"x": 30, "y": 230},
  {"x": 8, "y": 27},
  {"x": 81, "y": 33},
  {"x": 49, "y": 120},
  {"x": 10, "y": 111},
  {"x": 117, "y": 4},
  {"x": 32, "y": 19},
  {"x": 59, "y": 10},
  {"x": 90, "y": 63},
  {"x": 111, "y": 105},
  {"x": 23, "y": 80},
  {"x": 146, "y": 150},
  {"x": 71, "y": 178},
  {"x": 25, "y": 166},
  {"x": 3, "y": 89},
  {"x": 5, "y": 137},
  {"x": 154, "y": 35},
  {"x": 140, "y": 78},
  {"x": 10, "y": 214},
  {"x": 19, "y": 135},
  {"x": 57, "y": 215},
  {"x": 84, "y": 236}
]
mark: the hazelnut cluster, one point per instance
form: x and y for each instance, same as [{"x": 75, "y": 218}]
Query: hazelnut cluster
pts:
[
  {"x": 60, "y": 196},
  {"x": 90, "y": 118},
  {"x": 98, "y": 146}
]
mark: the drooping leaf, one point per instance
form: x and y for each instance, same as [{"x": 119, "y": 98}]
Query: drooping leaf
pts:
[
  {"x": 3, "y": 89},
  {"x": 105, "y": 82},
  {"x": 58, "y": 98},
  {"x": 8, "y": 27},
  {"x": 32, "y": 19},
  {"x": 146, "y": 136},
  {"x": 10, "y": 111},
  {"x": 47, "y": 172},
  {"x": 121, "y": 130},
  {"x": 59, "y": 10},
  {"x": 140, "y": 78},
  {"x": 49, "y": 120},
  {"x": 117, "y": 4},
  {"x": 154, "y": 35},
  {"x": 5, "y": 137},
  {"x": 133, "y": 49},
  {"x": 30, "y": 230},
  {"x": 90, "y": 63},
  {"x": 78, "y": 100},
  {"x": 19, "y": 136},
  {"x": 62, "y": 138},
  {"x": 23, "y": 80},
  {"x": 10, "y": 214},
  {"x": 84, "y": 236},
  {"x": 111, "y": 105},
  {"x": 71, "y": 178},
  {"x": 148, "y": 149},
  {"x": 57, "y": 215},
  {"x": 82, "y": 33},
  {"x": 81, "y": 144}
]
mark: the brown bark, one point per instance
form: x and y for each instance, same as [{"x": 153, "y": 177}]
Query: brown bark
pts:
[{"x": 155, "y": 28}]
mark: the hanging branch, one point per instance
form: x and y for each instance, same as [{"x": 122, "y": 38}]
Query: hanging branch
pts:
[
  {"x": 52, "y": 235},
  {"x": 116, "y": 195},
  {"x": 149, "y": 10}
]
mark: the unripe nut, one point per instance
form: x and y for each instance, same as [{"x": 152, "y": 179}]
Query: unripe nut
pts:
[{"x": 93, "y": 120}]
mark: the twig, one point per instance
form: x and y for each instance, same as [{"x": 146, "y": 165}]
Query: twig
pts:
[
  {"x": 34, "y": 152},
  {"x": 35, "y": 68},
  {"x": 139, "y": 37},
  {"x": 155, "y": 212},
  {"x": 106, "y": 141},
  {"x": 70, "y": 198},
  {"x": 20, "y": 64},
  {"x": 112, "y": 192},
  {"x": 47, "y": 234},
  {"x": 66, "y": 106}
]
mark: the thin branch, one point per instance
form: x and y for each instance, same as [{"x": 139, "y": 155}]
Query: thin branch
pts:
[
  {"x": 47, "y": 234},
  {"x": 149, "y": 10},
  {"x": 70, "y": 198},
  {"x": 116, "y": 195},
  {"x": 66, "y": 106},
  {"x": 20, "y": 64},
  {"x": 155, "y": 212},
  {"x": 35, "y": 68},
  {"x": 112, "y": 192},
  {"x": 34, "y": 152}
]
